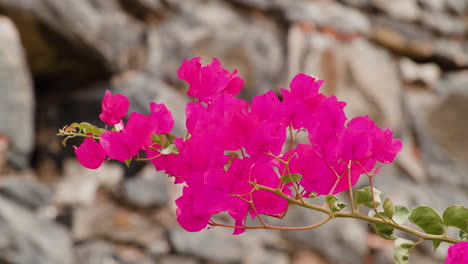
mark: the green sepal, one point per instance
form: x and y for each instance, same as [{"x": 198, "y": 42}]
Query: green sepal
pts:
[
  {"x": 383, "y": 230},
  {"x": 293, "y": 177},
  {"x": 457, "y": 216},
  {"x": 364, "y": 196},
  {"x": 333, "y": 203},
  {"x": 233, "y": 155},
  {"x": 86, "y": 128},
  {"x": 429, "y": 221},
  {"x": 163, "y": 139},
  {"x": 171, "y": 149},
  {"x": 127, "y": 162},
  {"x": 389, "y": 208},
  {"x": 401, "y": 250},
  {"x": 312, "y": 195}
]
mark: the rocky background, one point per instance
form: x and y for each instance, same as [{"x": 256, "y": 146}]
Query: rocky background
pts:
[{"x": 403, "y": 62}]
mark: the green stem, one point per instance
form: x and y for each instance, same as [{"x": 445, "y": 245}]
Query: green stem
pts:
[
  {"x": 350, "y": 190},
  {"x": 356, "y": 215},
  {"x": 74, "y": 134}
]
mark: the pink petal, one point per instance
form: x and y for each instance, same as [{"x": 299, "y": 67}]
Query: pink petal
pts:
[
  {"x": 114, "y": 107},
  {"x": 119, "y": 146},
  {"x": 165, "y": 120},
  {"x": 90, "y": 154}
]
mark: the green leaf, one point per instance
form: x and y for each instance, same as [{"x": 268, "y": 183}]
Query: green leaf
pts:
[
  {"x": 457, "y": 216},
  {"x": 383, "y": 230},
  {"x": 127, "y": 162},
  {"x": 171, "y": 149},
  {"x": 401, "y": 214},
  {"x": 155, "y": 138},
  {"x": 333, "y": 203},
  {"x": 169, "y": 137},
  {"x": 462, "y": 235},
  {"x": 293, "y": 177},
  {"x": 163, "y": 139},
  {"x": 429, "y": 221},
  {"x": 233, "y": 155},
  {"x": 389, "y": 208},
  {"x": 313, "y": 195},
  {"x": 401, "y": 250},
  {"x": 88, "y": 128},
  {"x": 364, "y": 196}
]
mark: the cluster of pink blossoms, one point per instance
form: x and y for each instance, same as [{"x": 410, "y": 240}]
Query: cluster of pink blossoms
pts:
[
  {"x": 232, "y": 143},
  {"x": 457, "y": 253}
]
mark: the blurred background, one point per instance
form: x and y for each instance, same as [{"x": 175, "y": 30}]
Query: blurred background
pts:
[{"x": 402, "y": 62}]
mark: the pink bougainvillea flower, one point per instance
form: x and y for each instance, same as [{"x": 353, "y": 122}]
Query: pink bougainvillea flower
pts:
[
  {"x": 206, "y": 82},
  {"x": 232, "y": 143},
  {"x": 163, "y": 116},
  {"x": 119, "y": 146},
  {"x": 385, "y": 147},
  {"x": 458, "y": 253},
  {"x": 187, "y": 216},
  {"x": 357, "y": 139},
  {"x": 114, "y": 107},
  {"x": 90, "y": 154},
  {"x": 266, "y": 202},
  {"x": 327, "y": 122},
  {"x": 302, "y": 102},
  {"x": 141, "y": 127},
  {"x": 305, "y": 86}
]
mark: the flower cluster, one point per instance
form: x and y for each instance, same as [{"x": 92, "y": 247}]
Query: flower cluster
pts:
[
  {"x": 125, "y": 140},
  {"x": 458, "y": 253},
  {"x": 233, "y": 144}
]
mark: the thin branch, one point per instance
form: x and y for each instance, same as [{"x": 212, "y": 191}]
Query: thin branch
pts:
[{"x": 350, "y": 189}]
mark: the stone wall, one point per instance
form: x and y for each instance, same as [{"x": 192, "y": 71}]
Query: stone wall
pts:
[{"x": 402, "y": 62}]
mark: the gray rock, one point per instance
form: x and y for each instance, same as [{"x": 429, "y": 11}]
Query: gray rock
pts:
[
  {"x": 361, "y": 57},
  {"x": 178, "y": 260},
  {"x": 452, "y": 52},
  {"x": 17, "y": 101},
  {"x": 403, "y": 38},
  {"x": 436, "y": 194},
  {"x": 428, "y": 73},
  {"x": 364, "y": 4},
  {"x": 248, "y": 41},
  {"x": 341, "y": 233},
  {"x": 443, "y": 150},
  {"x": 216, "y": 244},
  {"x": 28, "y": 239},
  {"x": 349, "y": 72},
  {"x": 158, "y": 248},
  {"x": 263, "y": 4},
  {"x": 116, "y": 224},
  {"x": 95, "y": 252},
  {"x": 219, "y": 246},
  {"x": 99, "y": 251},
  {"x": 79, "y": 184},
  {"x": 142, "y": 88},
  {"x": 403, "y": 191},
  {"x": 457, "y": 6},
  {"x": 418, "y": 42},
  {"x": 146, "y": 190},
  {"x": 326, "y": 13},
  {"x": 434, "y": 5},
  {"x": 95, "y": 26},
  {"x": 456, "y": 82},
  {"x": 406, "y": 10},
  {"x": 444, "y": 24},
  {"x": 27, "y": 192}
]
